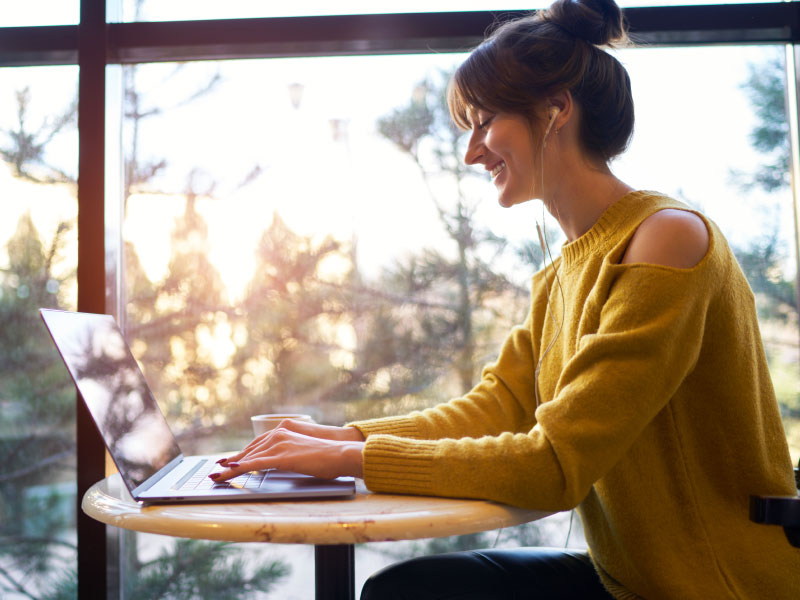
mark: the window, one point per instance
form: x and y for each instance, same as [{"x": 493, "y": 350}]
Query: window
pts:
[{"x": 248, "y": 181}]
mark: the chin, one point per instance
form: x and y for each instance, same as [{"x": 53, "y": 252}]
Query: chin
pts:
[{"x": 509, "y": 202}]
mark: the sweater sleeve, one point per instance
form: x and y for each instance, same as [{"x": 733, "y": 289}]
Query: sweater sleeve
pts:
[{"x": 622, "y": 374}]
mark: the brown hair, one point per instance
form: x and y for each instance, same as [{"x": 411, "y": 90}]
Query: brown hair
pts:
[{"x": 554, "y": 50}]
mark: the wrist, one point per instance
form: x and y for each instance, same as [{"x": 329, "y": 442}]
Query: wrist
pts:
[
  {"x": 352, "y": 453},
  {"x": 353, "y": 434}
]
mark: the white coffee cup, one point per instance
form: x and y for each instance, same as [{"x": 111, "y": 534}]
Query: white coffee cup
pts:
[{"x": 264, "y": 423}]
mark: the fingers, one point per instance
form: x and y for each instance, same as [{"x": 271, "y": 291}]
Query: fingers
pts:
[
  {"x": 260, "y": 443},
  {"x": 242, "y": 458},
  {"x": 233, "y": 469},
  {"x": 257, "y": 456},
  {"x": 257, "y": 462}
]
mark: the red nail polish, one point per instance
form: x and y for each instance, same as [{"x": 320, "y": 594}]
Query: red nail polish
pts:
[
  {"x": 214, "y": 476},
  {"x": 233, "y": 464},
  {"x": 222, "y": 461}
]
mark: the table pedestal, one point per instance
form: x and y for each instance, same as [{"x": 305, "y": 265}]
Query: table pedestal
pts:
[{"x": 335, "y": 572}]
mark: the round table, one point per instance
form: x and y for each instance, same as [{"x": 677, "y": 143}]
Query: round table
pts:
[{"x": 333, "y": 526}]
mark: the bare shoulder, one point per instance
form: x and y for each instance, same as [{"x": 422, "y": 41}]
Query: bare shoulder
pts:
[{"x": 669, "y": 237}]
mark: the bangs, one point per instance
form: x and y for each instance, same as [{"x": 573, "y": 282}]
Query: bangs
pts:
[
  {"x": 486, "y": 81},
  {"x": 470, "y": 88},
  {"x": 457, "y": 104}
]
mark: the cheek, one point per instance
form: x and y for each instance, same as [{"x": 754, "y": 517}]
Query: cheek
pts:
[
  {"x": 524, "y": 159},
  {"x": 498, "y": 140}
]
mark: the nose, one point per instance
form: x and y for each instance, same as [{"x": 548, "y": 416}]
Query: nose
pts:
[{"x": 475, "y": 149}]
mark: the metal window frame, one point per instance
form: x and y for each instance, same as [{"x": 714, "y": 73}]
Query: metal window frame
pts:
[
  {"x": 373, "y": 34},
  {"x": 94, "y": 44}
]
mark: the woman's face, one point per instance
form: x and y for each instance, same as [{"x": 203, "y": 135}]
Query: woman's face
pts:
[{"x": 504, "y": 145}]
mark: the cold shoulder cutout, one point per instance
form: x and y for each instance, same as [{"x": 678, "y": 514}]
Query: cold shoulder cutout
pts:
[{"x": 671, "y": 238}]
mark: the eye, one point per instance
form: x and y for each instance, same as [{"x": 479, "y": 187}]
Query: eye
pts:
[{"x": 486, "y": 122}]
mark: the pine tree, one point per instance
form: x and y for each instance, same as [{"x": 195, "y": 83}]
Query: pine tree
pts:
[
  {"x": 291, "y": 315},
  {"x": 37, "y": 399}
]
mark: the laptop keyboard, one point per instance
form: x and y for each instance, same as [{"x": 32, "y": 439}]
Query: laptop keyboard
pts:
[{"x": 199, "y": 480}]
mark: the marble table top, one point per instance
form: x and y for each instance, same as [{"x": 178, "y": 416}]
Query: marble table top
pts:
[{"x": 367, "y": 517}]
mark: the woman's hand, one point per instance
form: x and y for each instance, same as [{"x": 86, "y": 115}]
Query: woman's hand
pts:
[{"x": 308, "y": 448}]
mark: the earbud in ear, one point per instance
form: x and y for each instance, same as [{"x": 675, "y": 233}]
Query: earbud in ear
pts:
[{"x": 553, "y": 112}]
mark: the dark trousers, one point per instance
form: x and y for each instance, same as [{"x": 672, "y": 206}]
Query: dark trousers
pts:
[{"x": 520, "y": 573}]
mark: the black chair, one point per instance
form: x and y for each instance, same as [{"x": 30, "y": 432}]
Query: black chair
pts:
[{"x": 779, "y": 510}]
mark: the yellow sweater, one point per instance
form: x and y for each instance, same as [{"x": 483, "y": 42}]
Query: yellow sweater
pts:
[{"x": 657, "y": 419}]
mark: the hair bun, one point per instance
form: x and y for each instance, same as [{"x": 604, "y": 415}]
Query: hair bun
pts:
[{"x": 599, "y": 22}]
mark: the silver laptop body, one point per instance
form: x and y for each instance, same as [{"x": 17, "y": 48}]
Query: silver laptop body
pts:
[{"x": 137, "y": 435}]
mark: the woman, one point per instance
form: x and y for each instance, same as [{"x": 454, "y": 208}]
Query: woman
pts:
[{"x": 637, "y": 389}]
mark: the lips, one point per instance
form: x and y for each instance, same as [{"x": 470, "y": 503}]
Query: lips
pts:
[{"x": 497, "y": 169}]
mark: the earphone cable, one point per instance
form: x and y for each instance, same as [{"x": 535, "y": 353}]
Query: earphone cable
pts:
[{"x": 545, "y": 253}]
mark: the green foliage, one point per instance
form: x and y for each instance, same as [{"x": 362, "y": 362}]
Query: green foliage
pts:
[
  {"x": 198, "y": 570},
  {"x": 287, "y": 312},
  {"x": 38, "y": 405},
  {"x": 763, "y": 260},
  {"x": 761, "y": 263},
  {"x": 764, "y": 88},
  {"x": 64, "y": 588},
  {"x": 168, "y": 319},
  {"x": 26, "y": 149},
  {"x": 407, "y": 126}
]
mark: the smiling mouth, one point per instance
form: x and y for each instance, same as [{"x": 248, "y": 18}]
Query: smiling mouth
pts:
[{"x": 497, "y": 169}]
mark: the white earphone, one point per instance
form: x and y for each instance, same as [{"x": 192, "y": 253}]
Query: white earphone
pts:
[{"x": 553, "y": 112}]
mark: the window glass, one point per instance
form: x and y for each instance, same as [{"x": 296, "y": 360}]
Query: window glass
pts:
[
  {"x": 38, "y": 261},
  {"x": 40, "y": 12},
  {"x": 292, "y": 243},
  {"x": 182, "y": 10}
]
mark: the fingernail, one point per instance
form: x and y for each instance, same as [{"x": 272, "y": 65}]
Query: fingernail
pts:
[
  {"x": 233, "y": 464},
  {"x": 214, "y": 476},
  {"x": 222, "y": 461}
]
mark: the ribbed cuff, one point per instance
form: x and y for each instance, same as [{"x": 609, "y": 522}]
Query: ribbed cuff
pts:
[
  {"x": 400, "y": 426},
  {"x": 399, "y": 465}
]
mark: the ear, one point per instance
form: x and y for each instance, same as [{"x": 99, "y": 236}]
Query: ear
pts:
[{"x": 564, "y": 103}]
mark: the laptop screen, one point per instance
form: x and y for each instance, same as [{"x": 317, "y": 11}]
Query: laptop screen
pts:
[{"x": 115, "y": 392}]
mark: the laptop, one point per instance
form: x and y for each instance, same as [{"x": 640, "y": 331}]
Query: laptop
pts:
[{"x": 137, "y": 435}]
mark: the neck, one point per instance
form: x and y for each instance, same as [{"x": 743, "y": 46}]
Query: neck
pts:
[{"x": 581, "y": 196}]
